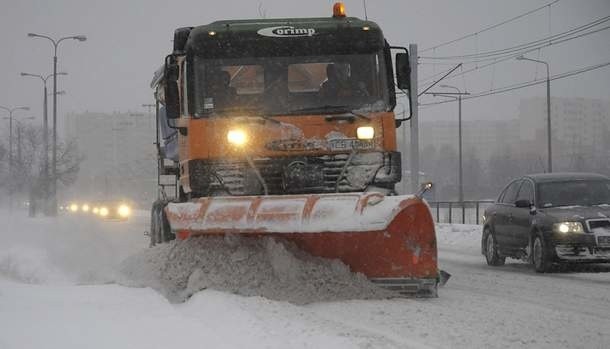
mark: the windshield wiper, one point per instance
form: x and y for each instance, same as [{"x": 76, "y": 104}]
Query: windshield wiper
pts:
[
  {"x": 257, "y": 113},
  {"x": 332, "y": 109}
]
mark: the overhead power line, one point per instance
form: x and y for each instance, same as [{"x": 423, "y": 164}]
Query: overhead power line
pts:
[
  {"x": 511, "y": 56},
  {"x": 491, "y": 27},
  {"x": 524, "y": 84},
  {"x": 546, "y": 41}
]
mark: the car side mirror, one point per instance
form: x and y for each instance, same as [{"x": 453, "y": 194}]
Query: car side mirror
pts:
[{"x": 523, "y": 203}]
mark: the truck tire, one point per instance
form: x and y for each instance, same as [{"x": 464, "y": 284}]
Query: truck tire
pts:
[
  {"x": 165, "y": 231},
  {"x": 160, "y": 230}
]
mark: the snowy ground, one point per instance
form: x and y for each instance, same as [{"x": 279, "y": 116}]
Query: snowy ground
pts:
[{"x": 70, "y": 282}]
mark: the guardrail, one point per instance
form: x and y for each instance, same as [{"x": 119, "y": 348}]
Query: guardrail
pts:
[{"x": 467, "y": 212}]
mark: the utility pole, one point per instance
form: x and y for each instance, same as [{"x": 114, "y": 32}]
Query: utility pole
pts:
[
  {"x": 414, "y": 158},
  {"x": 10, "y": 152}
]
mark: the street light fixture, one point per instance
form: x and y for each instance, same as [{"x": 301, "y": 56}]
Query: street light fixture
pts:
[
  {"x": 461, "y": 168},
  {"x": 548, "y": 109},
  {"x": 54, "y": 159},
  {"x": 10, "y": 150},
  {"x": 45, "y": 128}
]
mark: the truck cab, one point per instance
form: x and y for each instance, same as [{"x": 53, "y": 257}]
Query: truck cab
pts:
[{"x": 282, "y": 106}]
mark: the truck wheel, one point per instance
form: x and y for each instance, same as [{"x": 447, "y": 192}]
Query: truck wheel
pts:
[
  {"x": 154, "y": 224},
  {"x": 165, "y": 232},
  {"x": 491, "y": 250},
  {"x": 540, "y": 256}
]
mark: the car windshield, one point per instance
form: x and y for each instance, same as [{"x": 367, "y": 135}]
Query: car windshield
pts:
[
  {"x": 290, "y": 85},
  {"x": 574, "y": 193}
]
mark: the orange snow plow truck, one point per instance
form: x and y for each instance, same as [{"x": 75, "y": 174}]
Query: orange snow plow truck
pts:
[{"x": 285, "y": 128}]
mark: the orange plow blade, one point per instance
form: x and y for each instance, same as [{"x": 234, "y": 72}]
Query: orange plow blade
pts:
[{"x": 390, "y": 239}]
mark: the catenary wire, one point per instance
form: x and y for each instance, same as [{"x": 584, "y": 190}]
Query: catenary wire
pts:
[{"x": 490, "y": 27}]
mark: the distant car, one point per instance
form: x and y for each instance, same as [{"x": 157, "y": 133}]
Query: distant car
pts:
[
  {"x": 112, "y": 210},
  {"x": 549, "y": 218}
]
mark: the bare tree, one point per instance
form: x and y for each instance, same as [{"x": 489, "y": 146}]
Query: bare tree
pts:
[{"x": 28, "y": 178}]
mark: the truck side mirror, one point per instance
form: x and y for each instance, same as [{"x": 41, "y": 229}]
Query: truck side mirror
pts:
[
  {"x": 403, "y": 71},
  {"x": 172, "y": 97}
]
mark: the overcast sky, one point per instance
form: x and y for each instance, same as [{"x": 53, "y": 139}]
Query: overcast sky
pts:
[{"x": 127, "y": 41}]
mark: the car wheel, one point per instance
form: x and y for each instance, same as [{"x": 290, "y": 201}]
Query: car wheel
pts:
[
  {"x": 491, "y": 250},
  {"x": 540, "y": 257}
]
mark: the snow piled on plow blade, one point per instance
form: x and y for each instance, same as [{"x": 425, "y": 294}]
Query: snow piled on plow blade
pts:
[
  {"x": 264, "y": 267},
  {"x": 389, "y": 239}
]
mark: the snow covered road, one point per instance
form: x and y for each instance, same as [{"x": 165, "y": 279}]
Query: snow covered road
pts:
[{"x": 58, "y": 290}]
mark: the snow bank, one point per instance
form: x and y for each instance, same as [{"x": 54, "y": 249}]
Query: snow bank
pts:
[
  {"x": 65, "y": 249},
  {"x": 245, "y": 266},
  {"x": 29, "y": 265},
  {"x": 459, "y": 235}
]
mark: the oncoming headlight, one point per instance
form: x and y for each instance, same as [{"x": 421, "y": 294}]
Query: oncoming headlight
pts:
[
  {"x": 73, "y": 207},
  {"x": 85, "y": 208},
  {"x": 568, "y": 227},
  {"x": 365, "y": 132},
  {"x": 124, "y": 211},
  {"x": 237, "y": 137},
  {"x": 103, "y": 211}
]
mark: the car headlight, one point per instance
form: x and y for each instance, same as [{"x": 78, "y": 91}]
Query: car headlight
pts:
[
  {"x": 237, "y": 137},
  {"x": 96, "y": 210},
  {"x": 568, "y": 227},
  {"x": 103, "y": 211},
  {"x": 74, "y": 208},
  {"x": 124, "y": 211},
  {"x": 365, "y": 132},
  {"x": 85, "y": 208}
]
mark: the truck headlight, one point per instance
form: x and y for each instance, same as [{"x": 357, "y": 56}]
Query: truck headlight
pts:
[
  {"x": 237, "y": 137},
  {"x": 365, "y": 132},
  {"x": 568, "y": 227},
  {"x": 124, "y": 211}
]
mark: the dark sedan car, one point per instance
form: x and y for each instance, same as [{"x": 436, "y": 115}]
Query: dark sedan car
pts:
[{"x": 550, "y": 218}]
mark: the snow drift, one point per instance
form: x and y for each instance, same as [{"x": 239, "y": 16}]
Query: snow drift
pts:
[{"x": 246, "y": 266}]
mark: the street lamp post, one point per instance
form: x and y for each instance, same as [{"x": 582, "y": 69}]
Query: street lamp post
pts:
[
  {"x": 461, "y": 169},
  {"x": 458, "y": 96},
  {"x": 45, "y": 128},
  {"x": 19, "y": 143},
  {"x": 54, "y": 158},
  {"x": 548, "y": 109},
  {"x": 10, "y": 151}
]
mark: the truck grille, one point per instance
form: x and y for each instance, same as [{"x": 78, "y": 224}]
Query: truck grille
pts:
[{"x": 296, "y": 175}]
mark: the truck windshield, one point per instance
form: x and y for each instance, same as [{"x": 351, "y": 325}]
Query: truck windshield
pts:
[
  {"x": 574, "y": 193},
  {"x": 290, "y": 85}
]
